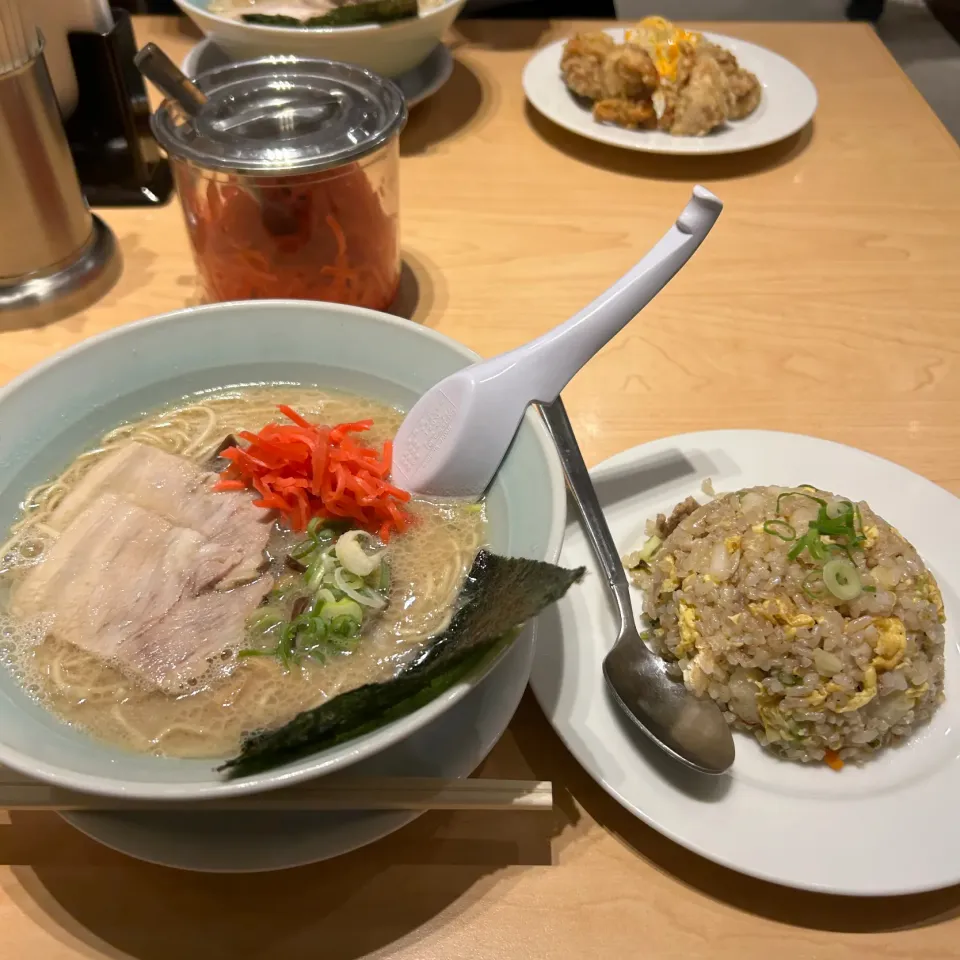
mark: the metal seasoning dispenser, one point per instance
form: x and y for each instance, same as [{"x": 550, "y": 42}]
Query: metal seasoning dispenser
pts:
[{"x": 56, "y": 258}]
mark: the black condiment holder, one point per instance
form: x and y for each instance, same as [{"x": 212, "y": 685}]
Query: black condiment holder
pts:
[{"x": 117, "y": 159}]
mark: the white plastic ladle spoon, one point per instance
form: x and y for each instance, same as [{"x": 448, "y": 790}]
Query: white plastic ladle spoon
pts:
[{"x": 455, "y": 437}]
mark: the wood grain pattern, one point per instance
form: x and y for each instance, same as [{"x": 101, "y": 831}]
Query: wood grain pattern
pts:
[{"x": 825, "y": 302}]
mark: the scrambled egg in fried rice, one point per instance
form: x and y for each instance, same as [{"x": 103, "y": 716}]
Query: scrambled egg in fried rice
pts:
[{"x": 810, "y": 620}]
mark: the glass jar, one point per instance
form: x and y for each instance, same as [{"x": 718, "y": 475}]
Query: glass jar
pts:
[{"x": 288, "y": 178}]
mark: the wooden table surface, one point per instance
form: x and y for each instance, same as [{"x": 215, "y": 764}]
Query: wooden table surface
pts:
[{"x": 827, "y": 301}]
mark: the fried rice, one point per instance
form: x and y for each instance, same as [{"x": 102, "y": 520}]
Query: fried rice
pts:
[{"x": 810, "y": 620}]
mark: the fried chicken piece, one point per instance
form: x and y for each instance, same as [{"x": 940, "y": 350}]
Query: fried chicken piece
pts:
[
  {"x": 704, "y": 87},
  {"x": 582, "y": 63},
  {"x": 596, "y": 67},
  {"x": 629, "y": 74},
  {"x": 721, "y": 54},
  {"x": 700, "y": 101},
  {"x": 744, "y": 86},
  {"x": 633, "y": 114},
  {"x": 747, "y": 91}
]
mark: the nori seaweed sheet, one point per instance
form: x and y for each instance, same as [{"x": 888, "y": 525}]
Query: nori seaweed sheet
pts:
[{"x": 499, "y": 595}]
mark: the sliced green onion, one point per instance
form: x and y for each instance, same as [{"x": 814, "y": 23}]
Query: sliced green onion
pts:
[
  {"x": 265, "y": 618},
  {"x": 314, "y": 569},
  {"x": 811, "y": 542},
  {"x": 303, "y": 549},
  {"x": 250, "y": 652},
  {"x": 868, "y": 589},
  {"x": 315, "y": 640},
  {"x": 324, "y": 596},
  {"x": 313, "y": 526},
  {"x": 345, "y": 627},
  {"x": 818, "y": 550},
  {"x": 806, "y": 542},
  {"x": 318, "y": 628},
  {"x": 649, "y": 548},
  {"x": 858, "y": 525},
  {"x": 287, "y": 644},
  {"x": 797, "y": 548},
  {"x": 356, "y": 589},
  {"x": 352, "y": 580},
  {"x": 838, "y": 509},
  {"x": 781, "y": 529},
  {"x": 841, "y": 578},
  {"x": 382, "y": 577},
  {"x": 321, "y": 566},
  {"x": 331, "y": 618},
  {"x": 342, "y": 608},
  {"x": 843, "y": 524}
]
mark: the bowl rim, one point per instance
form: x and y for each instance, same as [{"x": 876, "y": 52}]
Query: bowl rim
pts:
[
  {"x": 266, "y": 30},
  {"x": 364, "y": 746}
]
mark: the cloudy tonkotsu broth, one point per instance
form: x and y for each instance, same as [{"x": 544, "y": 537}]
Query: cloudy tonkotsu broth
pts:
[{"x": 208, "y": 717}]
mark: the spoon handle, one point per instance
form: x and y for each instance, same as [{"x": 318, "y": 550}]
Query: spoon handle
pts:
[
  {"x": 167, "y": 77},
  {"x": 455, "y": 436},
  {"x": 584, "y": 495},
  {"x": 543, "y": 367}
]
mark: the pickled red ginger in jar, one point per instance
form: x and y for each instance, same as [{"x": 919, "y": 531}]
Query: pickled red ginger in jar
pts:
[{"x": 288, "y": 178}]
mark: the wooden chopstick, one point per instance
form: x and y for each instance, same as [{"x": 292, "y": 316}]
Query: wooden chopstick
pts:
[{"x": 18, "y": 792}]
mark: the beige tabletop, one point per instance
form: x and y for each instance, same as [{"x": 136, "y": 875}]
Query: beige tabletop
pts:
[{"x": 827, "y": 301}]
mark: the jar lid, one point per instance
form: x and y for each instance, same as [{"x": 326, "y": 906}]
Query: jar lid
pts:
[{"x": 283, "y": 114}]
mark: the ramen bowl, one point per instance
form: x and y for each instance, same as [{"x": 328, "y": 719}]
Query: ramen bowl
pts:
[
  {"x": 386, "y": 48},
  {"x": 61, "y": 407}
]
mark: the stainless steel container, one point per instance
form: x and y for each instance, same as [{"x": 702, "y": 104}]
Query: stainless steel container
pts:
[{"x": 55, "y": 257}]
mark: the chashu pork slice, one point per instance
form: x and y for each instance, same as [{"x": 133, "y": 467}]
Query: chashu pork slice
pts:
[
  {"x": 179, "y": 490},
  {"x": 177, "y": 650},
  {"x": 116, "y": 570},
  {"x": 125, "y": 584}
]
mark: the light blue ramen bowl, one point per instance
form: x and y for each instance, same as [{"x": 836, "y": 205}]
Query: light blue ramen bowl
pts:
[
  {"x": 389, "y": 48},
  {"x": 62, "y": 406}
]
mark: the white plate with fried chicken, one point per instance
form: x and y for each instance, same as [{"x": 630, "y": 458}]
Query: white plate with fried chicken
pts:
[{"x": 662, "y": 89}]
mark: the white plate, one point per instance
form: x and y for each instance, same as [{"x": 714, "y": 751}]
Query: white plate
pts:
[
  {"x": 423, "y": 81},
  {"x": 451, "y": 746},
  {"x": 789, "y": 101},
  {"x": 889, "y": 827}
]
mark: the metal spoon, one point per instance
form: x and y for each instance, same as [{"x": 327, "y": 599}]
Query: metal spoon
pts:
[
  {"x": 690, "y": 729},
  {"x": 169, "y": 79},
  {"x": 172, "y": 82}
]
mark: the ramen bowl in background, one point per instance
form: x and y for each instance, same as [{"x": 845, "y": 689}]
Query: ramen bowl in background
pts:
[
  {"x": 77, "y": 395},
  {"x": 387, "y": 48}
]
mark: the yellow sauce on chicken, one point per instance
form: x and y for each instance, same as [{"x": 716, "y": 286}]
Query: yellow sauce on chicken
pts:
[{"x": 662, "y": 40}]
